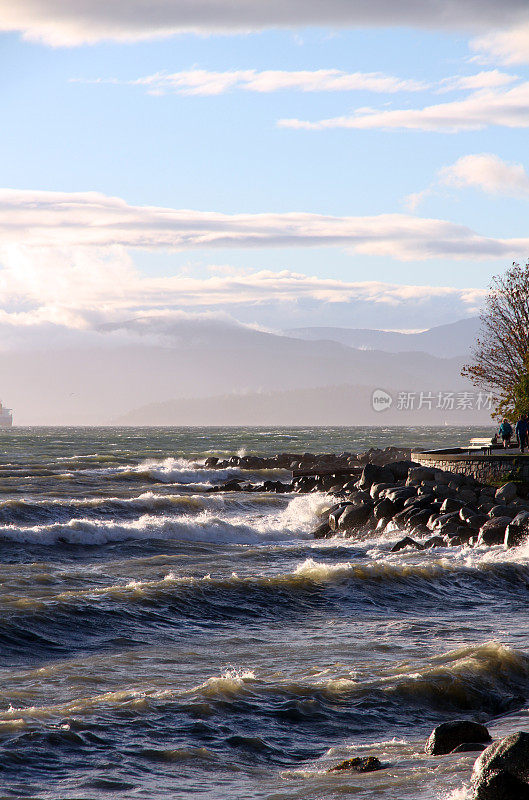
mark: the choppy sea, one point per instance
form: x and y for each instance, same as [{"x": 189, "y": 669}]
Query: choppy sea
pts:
[{"x": 158, "y": 641}]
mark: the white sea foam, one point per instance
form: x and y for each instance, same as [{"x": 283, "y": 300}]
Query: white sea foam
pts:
[
  {"x": 183, "y": 471},
  {"x": 249, "y": 523}
]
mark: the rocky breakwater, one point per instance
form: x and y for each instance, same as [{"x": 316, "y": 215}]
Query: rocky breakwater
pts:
[
  {"x": 433, "y": 508},
  {"x": 311, "y": 472}
]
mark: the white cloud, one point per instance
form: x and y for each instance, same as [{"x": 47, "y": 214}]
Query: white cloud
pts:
[
  {"x": 481, "y": 109},
  {"x": 93, "y": 220},
  {"x": 205, "y": 82},
  {"x": 489, "y": 173},
  {"x": 67, "y": 23},
  {"x": 484, "y": 171},
  {"x": 505, "y": 46},
  {"x": 488, "y": 79}
]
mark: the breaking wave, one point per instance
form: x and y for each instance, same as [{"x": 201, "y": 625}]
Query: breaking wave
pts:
[{"x": 246, "y": 524}]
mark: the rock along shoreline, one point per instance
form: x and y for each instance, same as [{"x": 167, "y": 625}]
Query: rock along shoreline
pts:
[{"x": 382, "y": 489}]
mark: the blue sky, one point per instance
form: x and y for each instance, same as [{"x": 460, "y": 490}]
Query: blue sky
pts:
[{"x": 117, "y": 118}]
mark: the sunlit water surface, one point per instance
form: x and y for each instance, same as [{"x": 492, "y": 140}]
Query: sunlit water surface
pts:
[{"x": 159, "y": 641}]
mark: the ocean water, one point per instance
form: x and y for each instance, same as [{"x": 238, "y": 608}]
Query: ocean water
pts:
[{"x": 159, "y": 641}]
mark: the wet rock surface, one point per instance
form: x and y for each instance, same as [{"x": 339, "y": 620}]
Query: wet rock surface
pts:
[
  {"x": 366, "y": 764},
  {"x": 451, "y": 735},
  {"x": 502, "y": 771},
  {"x": 382, "y": 489}
]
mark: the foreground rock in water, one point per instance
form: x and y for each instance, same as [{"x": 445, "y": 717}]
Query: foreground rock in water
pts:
[
  {"x": 450, "y": 736},
  {"x": 367, "y": 764},
  {"x": 502, "y": 771}
]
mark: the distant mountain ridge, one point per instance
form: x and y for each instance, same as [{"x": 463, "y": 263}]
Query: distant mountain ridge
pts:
[
  {"x": 325, "y": 405},
  {"x": 129, "y": 369},
  {"x": 444, "y": 341}
]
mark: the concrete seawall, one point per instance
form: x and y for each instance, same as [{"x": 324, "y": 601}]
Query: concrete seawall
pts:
[{"x": 484, "y": 468}]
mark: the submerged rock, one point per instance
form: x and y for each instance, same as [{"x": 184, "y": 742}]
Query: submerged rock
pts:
[
  {"x": 407, "y": 541},
  {"x": 449, "y": 735},
  {"x": 469, "y": 747},
  {"x": 366, "y": 764},
  {"x": 502, "y": 771}
]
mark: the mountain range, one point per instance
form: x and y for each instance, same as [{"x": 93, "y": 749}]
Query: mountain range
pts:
[{"x": 203, "y": 371}]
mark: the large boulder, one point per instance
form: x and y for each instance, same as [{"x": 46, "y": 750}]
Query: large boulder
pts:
[
  {"x": 501, "y": 772},
  {"x": 442, "y": 520},
  {"x": 335, "y": 515},
  {"x": 353, "y": 517},
  {"x": 373, "y": 473},
  {"x": 518, "y": 530},
  {"x": 506, "y": 493},
  {"x": 378, "y": 488},
  {"x": 502, "y": 510},
  {"x": 399, "y": 496},
  {"x": 384, "y": 508},
  {"x": 493, "y": 531},
  {"x": 449, "y": 735},
  {"x": 450, "y": 504},
  {"x": 322, "y": 531},
  {"x": 400, "y": 469}
]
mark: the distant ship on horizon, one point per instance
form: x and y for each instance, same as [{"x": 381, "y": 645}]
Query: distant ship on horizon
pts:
[{"x": 6, "y": 417}]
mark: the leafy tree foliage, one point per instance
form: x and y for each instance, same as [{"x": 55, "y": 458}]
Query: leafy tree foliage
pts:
[{"x": 500, "y": 359}]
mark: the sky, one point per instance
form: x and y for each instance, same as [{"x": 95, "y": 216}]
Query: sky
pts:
[{"x": 278, "y": 164}]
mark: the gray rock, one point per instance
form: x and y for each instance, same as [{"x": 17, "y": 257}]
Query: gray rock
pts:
[
  {"x": 493, "y": 531},
  {"x": 506, "y": 493},
  {"x": 399, "y": 496},
  {"x": 322, "y": 531},
  {"x": 434, "y": 541},
  {"x": 441, "y": 520},
  {"x": 469, "y": 747},
  {"x": 335, "y": 515},
  {"x": 468, "y": 496},
  {"x": 406, "y": 542},
  {"x": 451, "y": 505},
  {"x": 475, "y": 523},
  {"x": 501, "y": 772},
  {"x": 366, "y": 764},
  {"x": 517, "y": 530},
  {"x": 449, "y": 735},
  {"x": 400, "y": 469},
  {"x": 372, "y": 473},
  {"x": 441, "y": 478},
  {"x": 501, "y": 785},
  {"x": 353, "y": 517},
  {"x": 378, "y": 488},
  {"x": 442, "y": 492},
  {"x": 502, "y": 511},
  {"x": 384, "y": 508},
  {"x": 419, "y": 474}
]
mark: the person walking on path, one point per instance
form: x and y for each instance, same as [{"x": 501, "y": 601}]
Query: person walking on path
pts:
[
  {"x": 521, "y": 431},
  {"x": 505, "y": 432}
]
